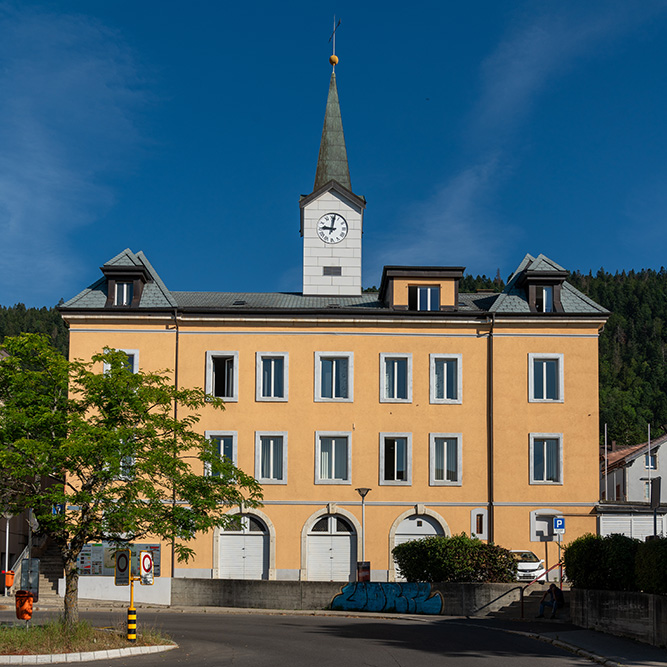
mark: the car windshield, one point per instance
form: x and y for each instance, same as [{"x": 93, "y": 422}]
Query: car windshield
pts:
[{"x": 526, "y": 557}]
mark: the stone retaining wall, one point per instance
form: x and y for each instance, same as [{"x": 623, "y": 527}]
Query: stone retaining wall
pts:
[
  {"x": 457, "y": 599},
  {"x": 637, "y": 615}
]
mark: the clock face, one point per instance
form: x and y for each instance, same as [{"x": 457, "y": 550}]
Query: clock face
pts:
[{"x": 332, "y": 228}]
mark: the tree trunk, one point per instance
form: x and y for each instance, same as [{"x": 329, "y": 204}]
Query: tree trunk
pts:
[{"x": 71, "y": 613}]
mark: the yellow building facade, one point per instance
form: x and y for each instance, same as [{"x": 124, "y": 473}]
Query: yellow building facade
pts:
[{"x": 454, "y": 413}]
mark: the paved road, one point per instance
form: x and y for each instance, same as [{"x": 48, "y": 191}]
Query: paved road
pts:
[{"x": 317, "y": 641}]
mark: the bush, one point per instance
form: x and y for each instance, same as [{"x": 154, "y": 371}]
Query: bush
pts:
[
  {"x": 651, "y": 566},
  {"x": 602, "y": 563},
  {"x": 454, "y": 559}
]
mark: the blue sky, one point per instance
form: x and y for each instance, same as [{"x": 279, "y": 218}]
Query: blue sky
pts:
[{"x": 478, "y": 131}]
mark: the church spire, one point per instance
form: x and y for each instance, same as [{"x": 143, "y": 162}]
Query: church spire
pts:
[{"x": 332, "y": 161}]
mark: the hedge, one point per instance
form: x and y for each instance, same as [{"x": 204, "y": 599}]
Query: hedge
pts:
[
  {"x": 617, "y": 562},
  {"x": 454, "y": 559}
]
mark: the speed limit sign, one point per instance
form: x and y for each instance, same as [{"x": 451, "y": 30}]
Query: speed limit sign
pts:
[
  {"x": 146, "y": 568},
  {"x": 122, "y": 570}
]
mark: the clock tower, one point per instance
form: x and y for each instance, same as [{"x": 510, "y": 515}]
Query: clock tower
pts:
[{"x": 332, "y": 215}]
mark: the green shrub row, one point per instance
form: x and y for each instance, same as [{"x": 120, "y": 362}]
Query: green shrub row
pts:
[
  {"x": 454, "y": 559},
  {"x": 617, "y": 563}
]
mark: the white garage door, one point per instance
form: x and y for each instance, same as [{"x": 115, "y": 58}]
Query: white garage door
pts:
[
  {"x": 630, "y": 525},
  {"x": 415, "y": 527},
  {"x": 244, "y": 554},
  {"x": 332, "y": 549}
]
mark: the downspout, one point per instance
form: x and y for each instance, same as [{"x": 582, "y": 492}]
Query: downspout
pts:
[
  {"x": 489, "y": 430},
  {"x": 173, "y": 492}
]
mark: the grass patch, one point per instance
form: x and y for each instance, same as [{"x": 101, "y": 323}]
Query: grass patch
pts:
[{"x": 56, "y": 637}]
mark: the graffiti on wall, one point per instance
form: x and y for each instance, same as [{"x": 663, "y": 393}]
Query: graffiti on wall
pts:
[{"x": 399, "y": 598}]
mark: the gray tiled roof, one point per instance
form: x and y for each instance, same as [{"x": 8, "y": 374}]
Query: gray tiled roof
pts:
[
  {"x": 156, "y": 295},
  {"x": 282, "y": 300},
  {"x": 515, "y": 300}
]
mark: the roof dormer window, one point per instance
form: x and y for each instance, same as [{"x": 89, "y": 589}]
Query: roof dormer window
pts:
[
  {"x": 124, "y": 292},
  {"x": 544, "y": 298},
  {"x": 424, "y": 297}
]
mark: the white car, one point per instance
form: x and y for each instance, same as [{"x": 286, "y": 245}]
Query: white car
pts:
[{"x": 530, "y": 566}]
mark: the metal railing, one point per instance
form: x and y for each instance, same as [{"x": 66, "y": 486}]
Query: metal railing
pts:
[{"x": 521, "y": 589}]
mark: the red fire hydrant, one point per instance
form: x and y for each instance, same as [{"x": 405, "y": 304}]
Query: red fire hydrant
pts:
[{"x": 23, "y": 605}]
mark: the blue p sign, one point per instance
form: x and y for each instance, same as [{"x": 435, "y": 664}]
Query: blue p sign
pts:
[{"x": 559, "y": 525}]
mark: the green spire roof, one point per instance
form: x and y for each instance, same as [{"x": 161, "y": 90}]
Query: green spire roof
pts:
[{"x": 332, "y": 161}]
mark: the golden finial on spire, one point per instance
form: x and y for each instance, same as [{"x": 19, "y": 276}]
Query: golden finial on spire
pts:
[{"x": 333, "y": 58}]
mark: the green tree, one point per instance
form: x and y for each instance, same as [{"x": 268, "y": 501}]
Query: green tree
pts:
[{"x": 114, "y": 447}]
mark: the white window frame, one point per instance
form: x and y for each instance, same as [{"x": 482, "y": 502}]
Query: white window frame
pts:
[
  {"x": 647, "y": 461},
  {"x": 209, "y": 435},
  {"x": 534, "y": 357},
  {"x": 541, "y": 298},
  {"x": 545, "y": 436},
  {"x": 260, "y": 356},
  {"x": 459, "y": 379},
  {"x": 258, "y": 456},
  {"x": 429, "y": 291},
  {"x": 384, "y": 358},
  {"x": 123, "y": 290},
  {"x": 408, "y": 463},
  {"x": 318, "y": 452},
  {"x": 214, "y": 354},
  {"x": 135, "y": 359},
  {"x": 484, "y": 513},
  {"x": 459, "y": 461},
  {"x": 319, "y": 357}
]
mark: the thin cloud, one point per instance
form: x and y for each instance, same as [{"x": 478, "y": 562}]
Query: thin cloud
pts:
[
  {"x": 69, "y": 93},
  {"x": 457, "y": 224},
  {"x": 540, "y": 48}
]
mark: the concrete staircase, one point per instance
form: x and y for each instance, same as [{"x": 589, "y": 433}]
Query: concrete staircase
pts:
[
  {"x": 50, "y": 570},
  {"x": 531, "y": 606}
]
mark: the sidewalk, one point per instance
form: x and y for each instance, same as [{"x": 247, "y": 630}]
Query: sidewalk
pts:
[{"x": 597, "y": 646}]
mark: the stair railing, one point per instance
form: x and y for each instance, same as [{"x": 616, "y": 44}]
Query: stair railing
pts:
[
  {"x": 519, "y": 588},
  {"x": 542, "y": 576}
]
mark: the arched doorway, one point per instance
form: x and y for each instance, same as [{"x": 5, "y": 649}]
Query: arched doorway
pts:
[
  {"x": 415, "y": 527},
  {"x": 332, "y": 549},
  {"x": 244, "y": 553}
]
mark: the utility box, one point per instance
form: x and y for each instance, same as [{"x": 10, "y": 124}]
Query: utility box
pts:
[{"x": 30, "y": 576}]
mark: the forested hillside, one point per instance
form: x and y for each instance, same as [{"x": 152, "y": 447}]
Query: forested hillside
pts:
[
  {"x": 18, "y": 319},
  {"x": 633, "y": 368},
  {"x": 633, "y": 345}
]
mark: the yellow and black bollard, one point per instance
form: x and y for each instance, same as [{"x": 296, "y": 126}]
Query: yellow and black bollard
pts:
[
  {"x": 131, "y": 616},
  {"x": 131, "y": 625}
]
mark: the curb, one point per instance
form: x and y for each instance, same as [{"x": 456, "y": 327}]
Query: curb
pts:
[
  {"x": 558, "y": 643},
  {"x": 49, "y": 658}
]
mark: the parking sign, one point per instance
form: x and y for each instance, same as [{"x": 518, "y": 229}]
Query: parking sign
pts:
[{"x": 559, "y": 525}]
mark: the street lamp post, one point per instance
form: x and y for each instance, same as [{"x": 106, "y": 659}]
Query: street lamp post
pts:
[
  {"x": 363, "y": 492},
  {"x": 7, "y": 517}
]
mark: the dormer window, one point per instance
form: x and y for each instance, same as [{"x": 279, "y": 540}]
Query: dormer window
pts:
[
  {"x": 544, "y": 299},
  {"x": 124, "y": 292},
  {"x": 125, "y": 285},
  {"x": 424, "y": 297}
]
